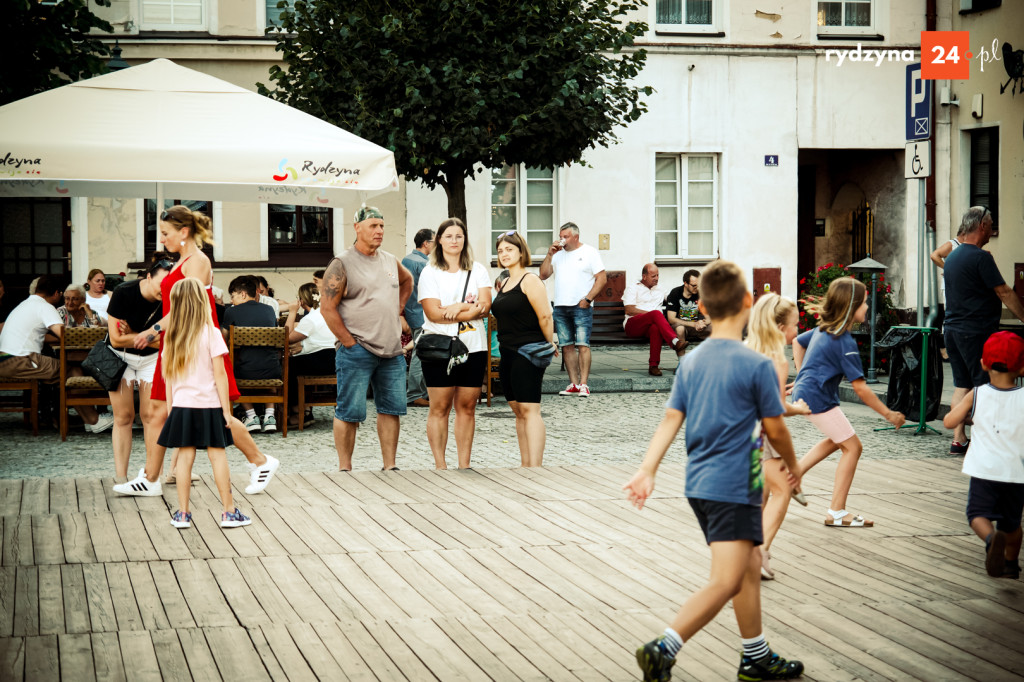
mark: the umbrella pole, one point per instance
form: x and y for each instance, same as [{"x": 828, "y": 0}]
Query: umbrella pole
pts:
[{"x": 159, "y": 209}]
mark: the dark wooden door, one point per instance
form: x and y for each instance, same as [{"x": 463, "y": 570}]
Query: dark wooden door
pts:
[
  {"x": 805, "y": 221},
  {"x": 35, "y": 239}
]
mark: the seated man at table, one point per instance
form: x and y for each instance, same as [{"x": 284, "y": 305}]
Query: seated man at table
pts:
[
  {"x": 252, "y": 363},
  {"x": 21, "y": 345},
  {"x": 644, "y": 319}
]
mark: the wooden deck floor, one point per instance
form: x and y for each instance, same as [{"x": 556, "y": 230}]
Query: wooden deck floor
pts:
[{"x": 493, "y": 574}]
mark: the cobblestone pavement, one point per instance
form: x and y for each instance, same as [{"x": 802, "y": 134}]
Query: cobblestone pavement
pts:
[{"x": 603, "y": 429}]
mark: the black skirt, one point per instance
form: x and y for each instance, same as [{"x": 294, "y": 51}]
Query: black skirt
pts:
[{"x": 195, "y": 427}]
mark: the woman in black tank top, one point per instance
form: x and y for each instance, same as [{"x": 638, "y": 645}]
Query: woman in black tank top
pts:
[{"x": 524, "y": 316}]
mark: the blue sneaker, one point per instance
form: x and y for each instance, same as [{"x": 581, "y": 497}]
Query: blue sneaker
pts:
[
  {"x": 654, "y": 661},
  {"x": 234, "y": 519},
  {"x": 179, "y": 520},
  {"x": 771, "y": 667}
]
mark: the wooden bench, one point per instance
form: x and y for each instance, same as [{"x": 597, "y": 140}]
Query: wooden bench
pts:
[{"x": 607, "y": 329}]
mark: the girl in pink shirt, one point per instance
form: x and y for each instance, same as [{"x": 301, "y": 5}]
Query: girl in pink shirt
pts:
[{"x": 197, "y": 393}]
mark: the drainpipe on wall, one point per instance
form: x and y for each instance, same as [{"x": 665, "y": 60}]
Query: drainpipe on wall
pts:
[{"x": 931, "y": 21}]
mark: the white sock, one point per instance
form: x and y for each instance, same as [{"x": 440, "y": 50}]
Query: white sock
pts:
[
  {"x": 672, "y": 642},
  {"x": 755, "y": 647},
  {"x": 269, "y": 412},
  {"x": 250, "y": 413}
]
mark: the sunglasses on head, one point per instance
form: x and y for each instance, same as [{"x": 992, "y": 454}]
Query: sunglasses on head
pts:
[{"x": 165, "y": 216}]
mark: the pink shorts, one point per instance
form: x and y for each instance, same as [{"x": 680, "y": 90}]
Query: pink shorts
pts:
[{"x": 833, "y": 425}]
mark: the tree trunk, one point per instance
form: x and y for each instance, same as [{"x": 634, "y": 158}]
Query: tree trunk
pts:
[{"x": 455, "y": 188}]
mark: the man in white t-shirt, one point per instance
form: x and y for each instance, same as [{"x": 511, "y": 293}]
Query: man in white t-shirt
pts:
[
  {"x": 644, "y": 319},
  {"x": 21, "y": 345},
  {"x": 579, "y": 277}
]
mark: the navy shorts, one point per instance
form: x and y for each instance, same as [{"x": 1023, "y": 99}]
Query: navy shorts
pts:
[
  {"x": 1001, "y": 503},
  {"x": 964, "y": 351},
  {"x": 726, "y": 521}
]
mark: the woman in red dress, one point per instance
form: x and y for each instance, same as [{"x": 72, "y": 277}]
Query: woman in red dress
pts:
[{"x": 184, "y": 232}]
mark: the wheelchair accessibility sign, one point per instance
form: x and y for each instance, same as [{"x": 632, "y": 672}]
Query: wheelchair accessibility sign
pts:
[{"x": 918, "y": 160}]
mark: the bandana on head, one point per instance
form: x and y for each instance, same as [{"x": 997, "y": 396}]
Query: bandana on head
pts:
[{"x": 366, "y": 212}]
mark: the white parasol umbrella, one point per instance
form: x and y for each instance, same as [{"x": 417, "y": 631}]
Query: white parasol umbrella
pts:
[{"x": 159, "y": 129}]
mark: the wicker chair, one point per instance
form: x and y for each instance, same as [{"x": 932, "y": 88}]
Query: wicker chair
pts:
[
  {"x": 75, "y": 344},
  {"x": 263, "y": 390}
]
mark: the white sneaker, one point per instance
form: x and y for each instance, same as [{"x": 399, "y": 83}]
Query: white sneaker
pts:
[
  {"x": 252, "y": 423},
  {"x": 104, "y": 423},
  {"x": 584, "y": 391},
  {"x": 140, "y": 486},
  {"x": 259, "y": 476}
]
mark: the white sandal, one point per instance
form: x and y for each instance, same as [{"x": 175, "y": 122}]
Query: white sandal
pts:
[{"x": 839, "y": 520}]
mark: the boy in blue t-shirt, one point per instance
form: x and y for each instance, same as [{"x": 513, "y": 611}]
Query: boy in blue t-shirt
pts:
[{"x": 730, "y": 395}]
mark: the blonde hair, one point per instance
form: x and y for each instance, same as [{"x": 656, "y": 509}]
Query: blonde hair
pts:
[
  {"x": 199, "y": 224},
  {"x": 836, "y": 310},
  {"x": 309, "y": 295},
  {"x": 189, "y": 316},
  {"x": 763, "y": 333}
]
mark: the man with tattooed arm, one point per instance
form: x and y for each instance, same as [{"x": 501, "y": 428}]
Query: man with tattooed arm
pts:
[{"x": 364, "y": 292}]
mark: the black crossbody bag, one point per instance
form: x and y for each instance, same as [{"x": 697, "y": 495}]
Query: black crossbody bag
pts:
[
  {"x": 444, "y": 348},
  {"x": 104, "y": 364}
]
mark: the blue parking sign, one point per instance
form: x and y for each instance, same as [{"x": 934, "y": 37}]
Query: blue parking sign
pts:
[{"x": 919, "y": 104}]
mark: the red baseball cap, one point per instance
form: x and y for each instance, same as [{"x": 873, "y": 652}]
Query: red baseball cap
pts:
[{"x": 1006, "y": 349}]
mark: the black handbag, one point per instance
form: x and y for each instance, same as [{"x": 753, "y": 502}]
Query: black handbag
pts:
[
  {"x": 444, "y": 348},
  {"x": 104, "y": 365}
]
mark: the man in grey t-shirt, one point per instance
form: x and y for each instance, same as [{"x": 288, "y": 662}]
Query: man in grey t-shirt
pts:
[{"x": 364, "y": 292}]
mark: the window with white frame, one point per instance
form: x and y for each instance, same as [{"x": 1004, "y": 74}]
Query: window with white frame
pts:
[
  {"x": 685, "y": 206},
  {"x": 523, "y": 199},
  {"x": 687, "y": 16},
  {"x": 174, "y": 15},
  {"x": 274, "y": 12},
  {"x": 845, "y": 17}
]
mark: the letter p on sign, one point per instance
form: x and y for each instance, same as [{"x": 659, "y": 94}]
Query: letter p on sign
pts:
[{"x": 919, "y": 104}]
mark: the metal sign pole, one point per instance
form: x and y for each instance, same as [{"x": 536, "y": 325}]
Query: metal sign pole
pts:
[{"x": 922, "y": 256}]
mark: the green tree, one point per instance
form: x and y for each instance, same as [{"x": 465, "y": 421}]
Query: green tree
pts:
[
  {"x": 49, "y": 45},
  {"x": 451, "y": 86}
]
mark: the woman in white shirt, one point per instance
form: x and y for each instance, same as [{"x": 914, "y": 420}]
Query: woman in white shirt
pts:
[
  {"x": 455, "y": 293},
  {"x": 312, "y": 345},
  {"x": 97, "y": 296}
]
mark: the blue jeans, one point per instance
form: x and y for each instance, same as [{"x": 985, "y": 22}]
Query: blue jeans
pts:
[
  {"x": 573, "y": 325},
  {"x": 357, "y": 369}
]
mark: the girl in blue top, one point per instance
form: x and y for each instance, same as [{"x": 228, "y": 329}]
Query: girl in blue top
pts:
[{"x": 823, "y": 356}]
